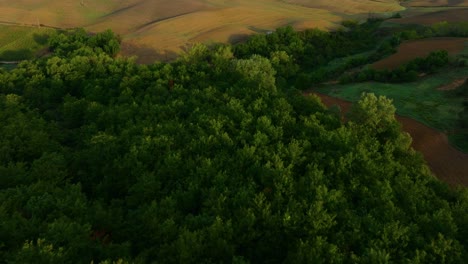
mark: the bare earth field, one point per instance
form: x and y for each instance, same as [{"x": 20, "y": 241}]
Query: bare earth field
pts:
[
  {"x": 434, "y": 3},
  {"x": 169, "y": 25},
  {"x": 446, "y": 162},
  {"x": 428, "y": 18},
  {"x": 420, "y": 48},
  {"x": 349, "y": 7}
]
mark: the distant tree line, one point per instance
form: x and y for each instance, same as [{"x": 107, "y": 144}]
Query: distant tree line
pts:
[
  {"x": 82, "y": 43},
  {"x": 310, "y": 50}
]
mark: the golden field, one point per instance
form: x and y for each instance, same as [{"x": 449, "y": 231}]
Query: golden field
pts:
[{"x": 169, "y": 25}]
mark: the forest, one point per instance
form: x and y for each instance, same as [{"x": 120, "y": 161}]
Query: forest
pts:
[{"x": 216, "y": 157}]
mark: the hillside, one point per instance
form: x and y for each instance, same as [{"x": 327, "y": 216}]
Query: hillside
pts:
[
  {"x": 350, "y": 6},
  {"x": 168, "y": 26}
]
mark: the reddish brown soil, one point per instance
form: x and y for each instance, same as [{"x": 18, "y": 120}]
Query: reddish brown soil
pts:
[
  {"x": 453, "y": 15},
  {"x": 453, "y": 85},
  {"x": 446, "y": 162},
  {"x": 410, "y": 50},
  {"x": 434, "y": 3}
]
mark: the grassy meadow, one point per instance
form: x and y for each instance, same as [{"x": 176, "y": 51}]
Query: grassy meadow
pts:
[
  {"x": 19, "y": 43},
  {"x": 420, "y": 100}
]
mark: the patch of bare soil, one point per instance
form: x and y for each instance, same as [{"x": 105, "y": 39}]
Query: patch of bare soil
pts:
[
  {"x": 451, "y": 16},
  {"x": 452, "y": 86},
  {"x": 436, "y": 3},
  {"x": 446, "y": 162},
  {"x": 410, "y": 50}
]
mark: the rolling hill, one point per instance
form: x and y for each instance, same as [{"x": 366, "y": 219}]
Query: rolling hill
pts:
[{"x": 167, "y": 26}]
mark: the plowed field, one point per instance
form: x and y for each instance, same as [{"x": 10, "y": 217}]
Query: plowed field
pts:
[
  {"x": 410, "y": 50},
  {"x": 429, "y": 18}
]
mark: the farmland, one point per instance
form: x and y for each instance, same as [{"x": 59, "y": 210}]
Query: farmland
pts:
[
  {"x": 232, "y": 153},
  {"x": 166, "y": 26},
  {"x": 432, "y": 106},
  {"x": 159, "y": 29},
  {"x": 438, "y": 3},
  {"x": 429, "y": 16},
  {"x": 18, "y": 43},
  {"x": 410, "y": 50}
]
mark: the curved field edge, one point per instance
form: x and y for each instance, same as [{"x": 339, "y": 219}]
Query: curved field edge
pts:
[
  {"x": 446, "y": 162},
  {"x": 412, "y": 49},
  {"x": 420, "y": 100}
]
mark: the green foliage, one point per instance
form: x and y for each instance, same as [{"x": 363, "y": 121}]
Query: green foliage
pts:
[
  {"x": 462, "y": 123},
  {"x": 450, "y": 29},
  {"x": 311, "y": 48},
  {"x": 209, "y": 160},
  {"x": 256, "y": 70},
  {"x": 420, "y": 100},
  {"x": 40, "y": 253},
  {"x": 376, "y": 114},
  {"x": 79, "y": 42},
  {"x": 407, "y": 72}
]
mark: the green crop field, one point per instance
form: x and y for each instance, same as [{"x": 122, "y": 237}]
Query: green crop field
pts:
[{"x": 18, "y": 43}]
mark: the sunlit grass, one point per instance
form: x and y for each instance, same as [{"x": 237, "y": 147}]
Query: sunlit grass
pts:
[{"x": 18, "y": 43}]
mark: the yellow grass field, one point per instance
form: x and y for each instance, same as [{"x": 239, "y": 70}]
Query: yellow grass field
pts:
[
  {"x": 410, "y": 50},
  {"x": 169, "y": 25}
]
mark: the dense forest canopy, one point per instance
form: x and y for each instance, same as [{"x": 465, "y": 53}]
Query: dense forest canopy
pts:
[{"x": 213, "y": 158}]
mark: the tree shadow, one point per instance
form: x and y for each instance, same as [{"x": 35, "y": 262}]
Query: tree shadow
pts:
[
  {"x": 238, "y": 38},
  {"x": 25, "y": 53},
  {"x": 16, "y": 55},
  {"x": 259, "y": 30},
  {"x": 41, "y": 39},
  {"x": 8, "y": 67},
  {"x": 145, "y": 54}
]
